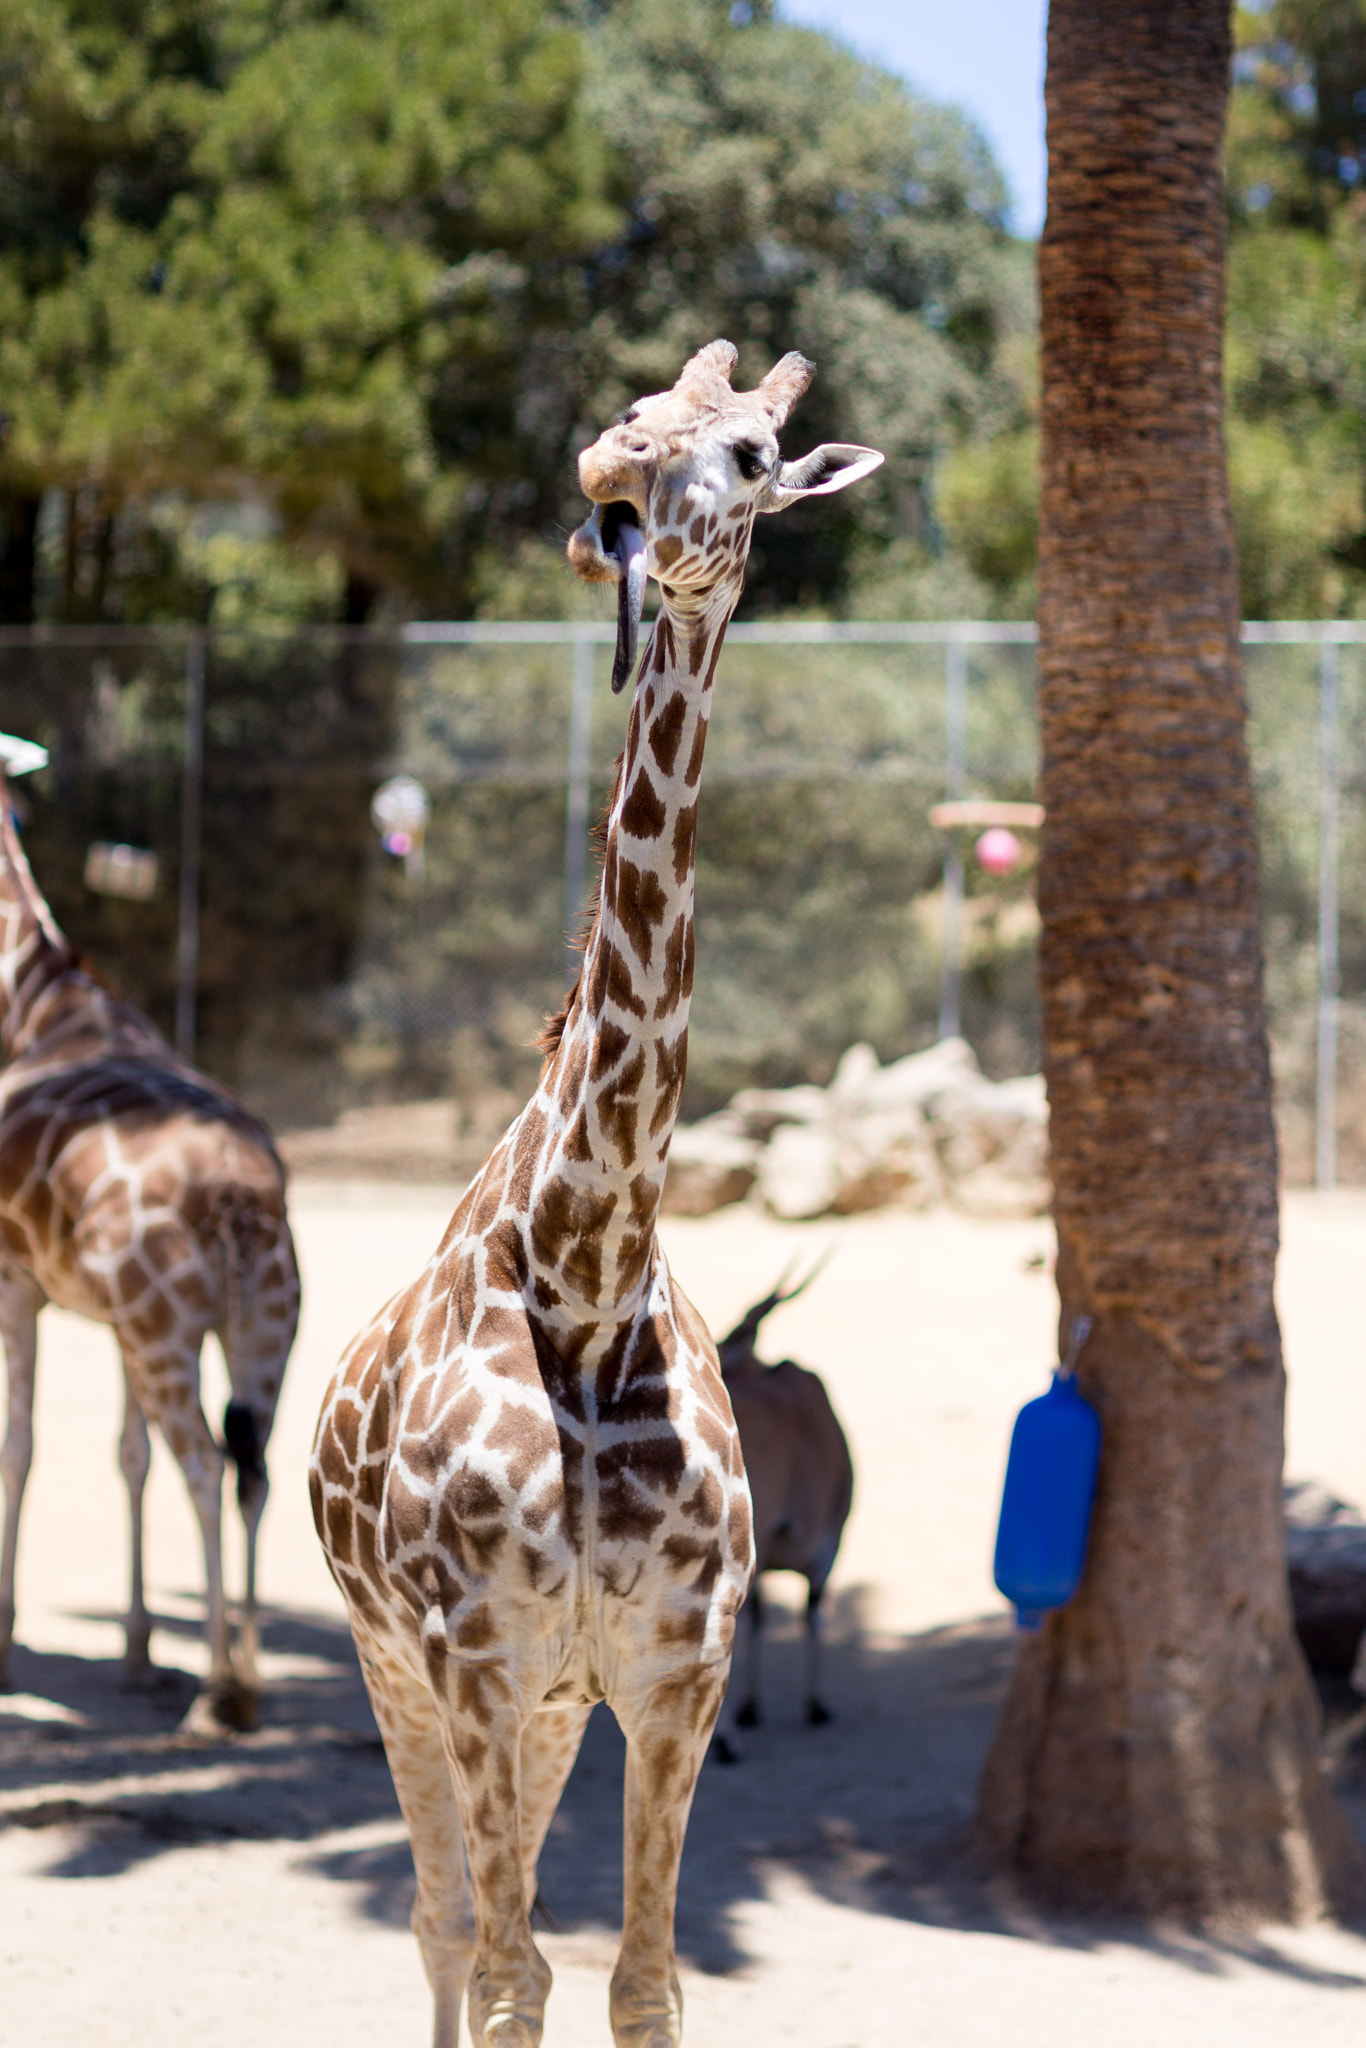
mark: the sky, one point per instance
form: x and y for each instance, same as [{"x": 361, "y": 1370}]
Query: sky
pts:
[{"x": 984, "y": 55}]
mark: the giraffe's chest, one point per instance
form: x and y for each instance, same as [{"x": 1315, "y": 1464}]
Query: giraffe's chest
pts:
[{"x": 594, "y": 1526}]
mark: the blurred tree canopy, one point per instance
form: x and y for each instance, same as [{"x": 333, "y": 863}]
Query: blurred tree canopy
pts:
[
  {"x": 780, "y": 191},
  {"x": 1297, "y": 307},
  {"x": 288, "y": 258},
  {"x": 307, "y": 305},
  {"x": 1296, "y": 335}
]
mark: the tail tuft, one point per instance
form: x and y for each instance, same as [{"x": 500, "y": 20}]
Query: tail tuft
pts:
[{"x": 242, "y": 1441}]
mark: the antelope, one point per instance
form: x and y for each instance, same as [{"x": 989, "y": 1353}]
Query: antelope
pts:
[{"x": 802, "y": 1481}]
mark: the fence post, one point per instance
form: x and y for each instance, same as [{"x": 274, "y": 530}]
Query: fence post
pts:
[
  {"x": 1326, "y": 1092},
  {"x": 191, "y": 806},
  {"x": 955, "y": 761},
  {"x": 576, "y": 799}
]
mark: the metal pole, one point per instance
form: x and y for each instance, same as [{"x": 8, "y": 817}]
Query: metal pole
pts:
[
  {"x": 1326, "y": 1103},
  {"x": 191, "y": 806},
  {"x": 955, "y": 761},
  {"x": 576, "y": 805}
]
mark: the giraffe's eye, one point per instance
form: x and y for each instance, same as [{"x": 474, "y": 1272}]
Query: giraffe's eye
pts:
[{"x": 749, "y": 462}]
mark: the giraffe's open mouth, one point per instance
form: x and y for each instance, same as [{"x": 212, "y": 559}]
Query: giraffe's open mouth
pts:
[{"x": 610, "y": 548}]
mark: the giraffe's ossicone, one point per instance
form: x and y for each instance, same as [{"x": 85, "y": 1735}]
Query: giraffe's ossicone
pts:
[{"x": 527, "y": 1476}]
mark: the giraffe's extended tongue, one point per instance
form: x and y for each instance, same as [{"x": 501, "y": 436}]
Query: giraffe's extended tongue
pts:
[{"x": 629, "y": 549}]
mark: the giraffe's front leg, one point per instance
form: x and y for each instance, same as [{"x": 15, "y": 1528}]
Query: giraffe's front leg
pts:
[
  {"x": 550, "y": 1743},
  {"x": 443, "y": 1914},
  {"x": 483, "y": 1728},
  {"x": 667, "y": 1732}
]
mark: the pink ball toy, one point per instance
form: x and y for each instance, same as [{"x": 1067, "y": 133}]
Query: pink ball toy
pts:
[{"x": 999, "y": 850}]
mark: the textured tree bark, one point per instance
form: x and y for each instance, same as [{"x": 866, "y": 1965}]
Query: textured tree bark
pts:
[{"x": 1158, "y": 1749}]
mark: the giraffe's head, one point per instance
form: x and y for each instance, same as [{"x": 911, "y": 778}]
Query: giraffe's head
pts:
[{"x": 677, "y": 481}]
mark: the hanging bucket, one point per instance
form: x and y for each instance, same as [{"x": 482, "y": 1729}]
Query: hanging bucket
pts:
[{"x": 1050, "y": 1488}]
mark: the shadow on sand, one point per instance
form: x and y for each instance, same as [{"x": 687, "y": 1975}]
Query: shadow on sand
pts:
[{"x": 872, "y": 1811}]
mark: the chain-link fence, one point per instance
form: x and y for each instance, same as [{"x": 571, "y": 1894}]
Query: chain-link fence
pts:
[{"x": 379, "y": 1005}]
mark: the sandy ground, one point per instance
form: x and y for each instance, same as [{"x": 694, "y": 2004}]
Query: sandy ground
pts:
[{"x": 155, "y": 1890}]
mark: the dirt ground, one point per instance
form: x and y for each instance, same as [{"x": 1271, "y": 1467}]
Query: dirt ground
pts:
[{"x": 154, "y": 1890}]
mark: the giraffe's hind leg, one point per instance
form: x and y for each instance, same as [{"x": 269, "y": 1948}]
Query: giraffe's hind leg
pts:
[
  {"x": 244, "y": 1440},
  {"x": 257, "y": 1335},
  {"x": 550, "y": 1743},
  {"x": 135, "y": 1458},
  {"x": 166, "y": 1387},
  {"x": 20, "y": 1301},
  {"x": 443, "y": 1913},
  {"x": 742, "y": 1708}
]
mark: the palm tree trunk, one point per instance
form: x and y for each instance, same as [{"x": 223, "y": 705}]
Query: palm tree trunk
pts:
[{"x": 1158, "y": 1748}]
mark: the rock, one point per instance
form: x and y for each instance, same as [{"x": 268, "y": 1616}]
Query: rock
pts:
[
  {"x": 858, "y": 1068},
  {"x": 884, "y": 1157},
  {"x": 711, "y": 1164},
  {"x": 921, "y": 1078},
  {"x": 762, "y": 1111},
  {"x": 1325, "y": 1545},
  {"x": 925, "y": 1129},
  {"x": 799, "y": 1171}
]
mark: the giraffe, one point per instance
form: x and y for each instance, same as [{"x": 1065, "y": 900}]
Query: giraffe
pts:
[
  {"x": 137, "y": 1193},
  {"x": 527, "y": 1478}
]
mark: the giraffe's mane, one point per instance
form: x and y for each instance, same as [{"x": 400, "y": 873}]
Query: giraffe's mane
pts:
[
  {"x": 82, "y": 963},
  {"x": 548, "y": 1038}
]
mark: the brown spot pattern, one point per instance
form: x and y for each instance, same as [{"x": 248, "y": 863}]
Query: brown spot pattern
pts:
[{"x": 643, "y": 813}]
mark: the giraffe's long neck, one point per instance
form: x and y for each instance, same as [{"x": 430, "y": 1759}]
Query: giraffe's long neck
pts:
[
  {"x": 610, "y": 1096},
  {"x": 33, "y": 953}
]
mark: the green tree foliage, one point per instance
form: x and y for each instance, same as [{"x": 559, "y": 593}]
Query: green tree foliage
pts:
[
  {"x": 784, "y": 193},
  {"x": 1295, "y": 344},
  {"x": 293, "y": 251},
  {"x": 316, "y": 299},
  {"x": 1297, "y": 296}
]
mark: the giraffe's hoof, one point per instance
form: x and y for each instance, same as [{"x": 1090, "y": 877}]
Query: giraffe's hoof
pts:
[
  {"x": 513, "y": 2016},
  {"x": 648, "y": 2024},
  {"x": 817, "y": 1714},
  {"x": 138, "y": 1671},
  {"x": 748, "y": 1715},
  {"x": 725, "y": 1752},
  {"x": 506, "y": 2027},
  {"x": 226, "y": 1707}
]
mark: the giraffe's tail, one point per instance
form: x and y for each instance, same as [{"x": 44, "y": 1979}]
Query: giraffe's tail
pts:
[
  {"x": 260, "y": 1315},
  {"x": 243, "y": 1444}
]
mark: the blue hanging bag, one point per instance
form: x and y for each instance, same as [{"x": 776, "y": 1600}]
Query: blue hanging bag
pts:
[{"x": 1049, "y": 1492}]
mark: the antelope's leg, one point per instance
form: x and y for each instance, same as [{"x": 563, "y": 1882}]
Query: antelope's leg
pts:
[
  {"x": 135, "y": 1458},
  {"x": 550, "y": 1743},
  {"x": 20, "y": 1301},
  {"x": 667, "y": 1732},
  {"x": 443, "y": 1912},
  {"x": 817, "y": 1713},
  {"x": 749, "y": 1713}
]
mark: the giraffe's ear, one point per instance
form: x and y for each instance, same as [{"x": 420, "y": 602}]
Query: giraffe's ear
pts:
[{"x": 831, "y": 467}]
